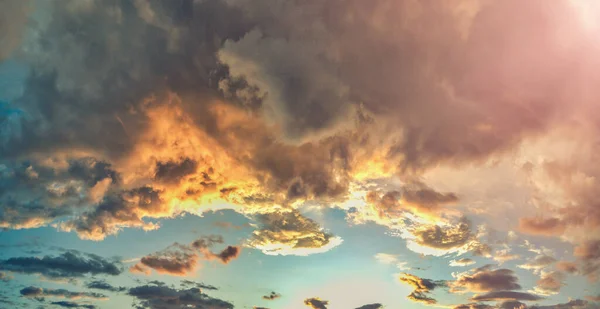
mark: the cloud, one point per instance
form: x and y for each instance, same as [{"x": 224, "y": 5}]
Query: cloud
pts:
[
  {"x": 568, "y": 267},
  {"x": 70, "y": 304},
  {"x": 371, "y": 306},
  {"x": 271, "y": 296},
  {"x": 103, "y": 285},
  {"x": 5, "y": 277},
  {"x": 39, "y": 293},
  {"x": 540, "y": 226},
  {"x": 69, "y": 264},
  {"x": 504, "y": 255},
  {"x": 291, "y": 233},
  {"x": 549, "y": 283},
  {"x": 538, "y": 263},
  {"x": 13, "y": 16},
  {"x": 188, "y": 283},
  {"x": 485, "y": 280},
  {"x": 462, "y": 262},
  {"x": 161, "y": 296},
  {"x": 181, "y": 260},
  {"x": 505, "y": 295},
  {"x": 593, "y": 298},
  {"x": 474, "y": 306},
  {"x": 414, "y": 197},
  {"x": 422, "y": 287},
  {"x": 588, "y": 254},
  {"x": 316, "y": 303},
  {"x": 572, "y": 304}
]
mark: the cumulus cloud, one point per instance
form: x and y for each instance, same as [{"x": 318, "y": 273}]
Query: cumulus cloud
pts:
[
  {"x": 39, "y": 293},
  {"x": 69, "y": 264},
  {"x": 70, "y": 304},
  {"x": 316, "y": 303},
  {"x": 549, "y": 283},
  {"x": 181, "y": 260},
  {"x": 291, "y": 233},
  {"x": 485, "y": 280},
  {"x": 422, "y": 287},
  {"x": 161, "y": 296}
]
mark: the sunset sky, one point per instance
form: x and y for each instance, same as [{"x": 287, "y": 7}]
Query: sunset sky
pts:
[{"x": 289, "y": 154}]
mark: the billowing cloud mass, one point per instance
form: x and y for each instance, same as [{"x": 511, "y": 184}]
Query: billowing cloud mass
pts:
[
  {"x": 422, "y": 287},
  {"x": 289, "y": 232},
  {"x": 316, "y": 303},
  {"x": 434, "y": 122},
  {"x": 39, "y": 293},
  {"x": 163, "y": 297},
  {"x": 68, "y": 265},
  {"x": 181, "y": 260}
]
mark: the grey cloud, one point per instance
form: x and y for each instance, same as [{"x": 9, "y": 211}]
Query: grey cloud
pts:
[
  {"x": 67, "y": 265},
  {"x": 163, "y": 297},
  {"x": 371, "y": 306},
  {"x": 39, "y": 293},
  {"x": 103, "y": 285},
  {"x": 70, "y": 304}
]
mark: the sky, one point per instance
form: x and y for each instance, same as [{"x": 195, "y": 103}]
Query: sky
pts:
[{"x": 339, "y": 154}]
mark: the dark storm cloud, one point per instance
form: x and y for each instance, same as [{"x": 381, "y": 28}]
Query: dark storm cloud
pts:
[
  {"x": 103, "y": 285},
  {"x": 505, "y": 295},
  {"x": 485, "y": 280},
  {"x": 435, "y": 86},
  {"x": 39, "y": 293},
  {"x": 422, "y": 287},
  {"x": 163, "y": 297},
  {"x": 271, "y": 296},
  {"x": 67, "y": 265},
  {"x": 316, "y": 303}
]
